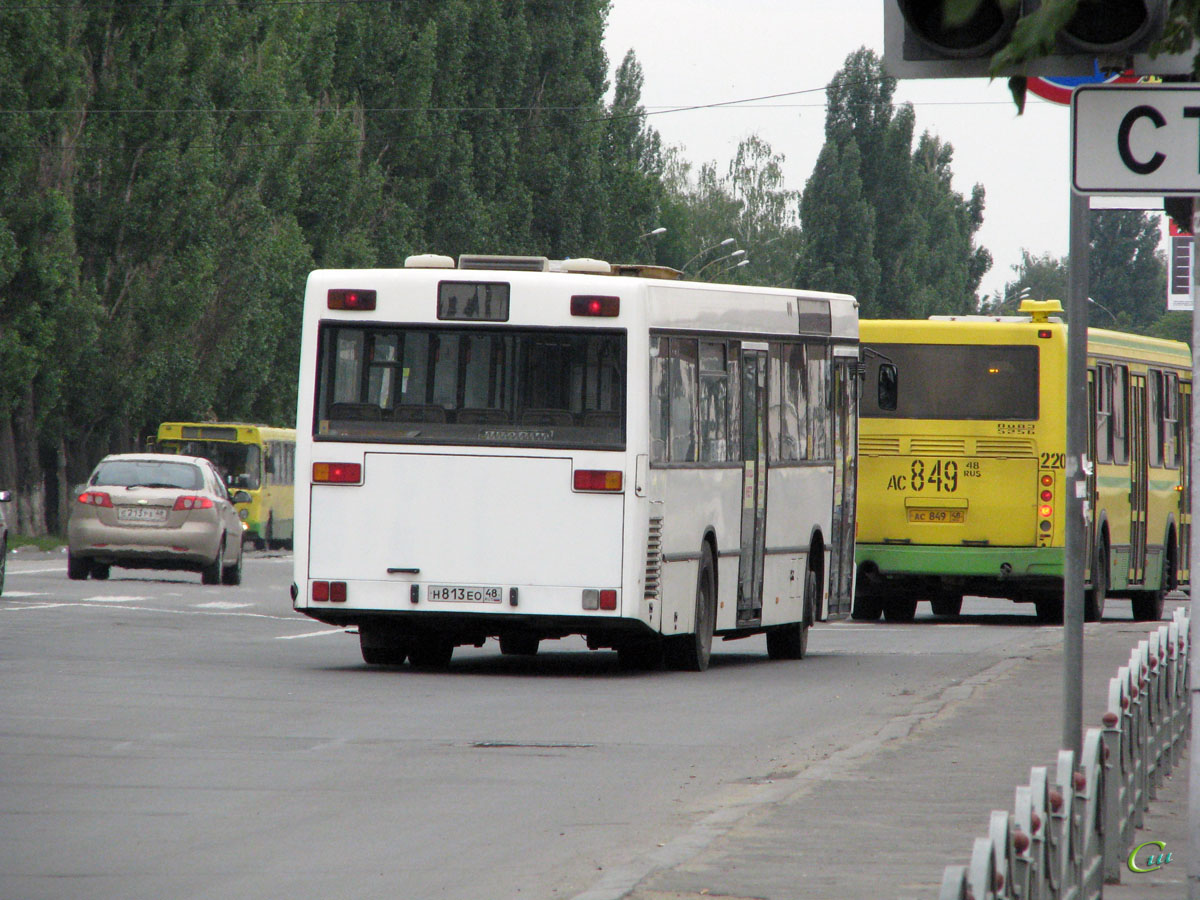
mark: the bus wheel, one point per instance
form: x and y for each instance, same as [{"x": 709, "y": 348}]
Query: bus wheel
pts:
[
  {"x": 691, "y": 652},
  {"x": 640, "y": 656},
  {"x": 381, "y": 649},
  {"x": 431, "y": 652},
  {"x": 791, "y": 641},
  {"x": 1093, "y": 600},
  {"x": 867, "y": 607},
  {"x": 900, "y": 610},
  {"x": 1049, "y": 608},
  {"x": 100, "y": 571},
  {"x": 947, "y": 605},
  {"x": 1148, "y": 605}
]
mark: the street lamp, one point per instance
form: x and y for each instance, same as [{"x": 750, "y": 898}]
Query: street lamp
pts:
[
  {"x": 719, "y": 273},
  {"x": 724, "y": 243},
  {"x": 1105, "y": 308},
  {"x": 657, "y": 231},
  {"x": 733, "y": 255}
]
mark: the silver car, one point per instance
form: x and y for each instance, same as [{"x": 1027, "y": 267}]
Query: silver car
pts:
[{"x": 156, "y": 511}]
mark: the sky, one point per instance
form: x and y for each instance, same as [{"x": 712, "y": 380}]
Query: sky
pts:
[{"x": 695, "y": 52}]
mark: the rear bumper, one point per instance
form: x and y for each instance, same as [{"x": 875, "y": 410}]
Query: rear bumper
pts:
[
  {"x": 989, "y": 571},
  {"x": 190, "y": 546}
]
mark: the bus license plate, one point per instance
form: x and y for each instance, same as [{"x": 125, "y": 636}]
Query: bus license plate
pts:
[
  {"x": 142, "y": 515},
  {"x": 465, "y": 593},
  {"x": 938, "y": 516}
]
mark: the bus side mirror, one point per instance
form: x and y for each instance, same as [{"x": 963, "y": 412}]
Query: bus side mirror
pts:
[{"x": 888, "y": 386}]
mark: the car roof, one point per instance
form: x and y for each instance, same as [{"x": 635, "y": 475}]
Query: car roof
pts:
[{"x": 152, "y": 457}]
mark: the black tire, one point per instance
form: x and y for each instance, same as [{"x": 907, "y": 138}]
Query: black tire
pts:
[
  {"x": 211, "y": 574},
  {"x": 519, "y": 644},
  {"x": 948, "y": 606},
  {"x": 269, "y": 540},
  {"x": 430, "y": 652},
  {"x": 900, "y": 610},
  {"x": 1148, "y": 605},
  {"x": 100, "y": 571},
  {"x": 1093, "y": 599},
  {"x": 867, "y": 608},
  {"x": 232, "y": 575},
  {"x": 78, "y": 569},
  {"x": 791, "y": 641},
  {"x": 691, "y": 652},
  {"x": 379, "y": 649},
  {"x": 1049, "y": 608}
]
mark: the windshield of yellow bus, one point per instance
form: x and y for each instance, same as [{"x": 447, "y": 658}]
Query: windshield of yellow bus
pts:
[
  {"x": 239, "y": 464},
  {"x": 957, "y": 381}
]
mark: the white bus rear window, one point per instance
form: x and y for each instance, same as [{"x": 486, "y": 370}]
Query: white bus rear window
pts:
[{"x": 473, "y": 386}]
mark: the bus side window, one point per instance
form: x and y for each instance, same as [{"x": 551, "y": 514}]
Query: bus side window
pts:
[
  {"x": 660, "y": 398},
  {"x": 1155, "y": 439},
  {"x": 1104, "y": 416},
  {"x": 1120, "y": 418},
  {"x": 1171, "y": 421},
  {"x": 888, "y": 387}
]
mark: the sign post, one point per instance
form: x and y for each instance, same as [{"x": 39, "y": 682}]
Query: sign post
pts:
[{"x": 1146, "y": 140}]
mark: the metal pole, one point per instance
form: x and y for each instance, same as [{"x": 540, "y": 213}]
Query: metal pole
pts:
[
  {"x": 1193, "y": 856},
  {"x": 1076, "y": 475}
]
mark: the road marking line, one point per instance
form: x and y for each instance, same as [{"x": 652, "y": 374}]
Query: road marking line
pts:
[
  {"x": 292, "y": 637},
  {"x": 11, "y": 595},
  {"x": 221, "y": 604},
  {"x": 115, "y": 598}
]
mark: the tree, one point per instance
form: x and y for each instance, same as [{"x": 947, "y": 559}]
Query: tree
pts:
[{"x": 1127, "y": 273}]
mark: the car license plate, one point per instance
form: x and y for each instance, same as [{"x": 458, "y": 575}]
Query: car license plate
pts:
[
  {"x": 465, "y": 593},
  {"x": 142, "y": 515},
  {"x": 938, "y": 516}
]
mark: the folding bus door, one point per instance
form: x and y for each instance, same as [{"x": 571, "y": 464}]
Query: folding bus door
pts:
[
  {"x": 1138, "y": 474},
  {"x": 754, "y": 486}
]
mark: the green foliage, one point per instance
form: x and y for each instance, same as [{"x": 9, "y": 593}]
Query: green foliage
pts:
[{"x": 879, "y": 217}]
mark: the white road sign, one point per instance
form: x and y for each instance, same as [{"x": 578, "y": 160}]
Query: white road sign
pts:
[{"x": 1131, "y": 139}]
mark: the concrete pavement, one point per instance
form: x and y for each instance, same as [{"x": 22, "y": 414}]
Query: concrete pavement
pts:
[{"x": 883, "y": 818}]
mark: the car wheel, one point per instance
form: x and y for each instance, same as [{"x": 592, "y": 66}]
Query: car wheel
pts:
[
  {"x": 100, "y": 571},
  {"x": 211, "y": 574},
  {"x": 232, "y": 575},
  {"x": 77, "y": 569}
]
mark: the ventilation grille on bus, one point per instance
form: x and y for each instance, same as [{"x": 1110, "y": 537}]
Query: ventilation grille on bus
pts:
[
  {"x": 510, "y": 263},
  {"x": 941, "y": 446},
  {"x": 879, "y": 445},
  {"x": 654, "y": 558},
  {"x": 1003, "y": 447}
]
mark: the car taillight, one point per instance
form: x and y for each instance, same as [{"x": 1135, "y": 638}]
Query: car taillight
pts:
[
  {"x": 597, "y": 480},
  {"x": 337, "y": 473},
  {"x": 190, "y": 501},
  {"x": 586, "y": 305},
  {"x": 96, "y": 498},
  {"x": 358, "y": 300}
]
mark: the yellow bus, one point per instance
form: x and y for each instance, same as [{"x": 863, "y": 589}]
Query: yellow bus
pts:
[
  {"x": 962, "y": 487},
  {"x": 257, "y": 459}
]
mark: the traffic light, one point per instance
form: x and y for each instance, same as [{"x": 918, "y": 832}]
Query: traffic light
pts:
[{"x": 920, "y": 41}]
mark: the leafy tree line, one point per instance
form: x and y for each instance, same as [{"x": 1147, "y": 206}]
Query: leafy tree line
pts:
[{"x": 170, "y": 173}]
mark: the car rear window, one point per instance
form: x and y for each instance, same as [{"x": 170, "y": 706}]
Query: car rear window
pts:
[{"x": 148, "y": 473}]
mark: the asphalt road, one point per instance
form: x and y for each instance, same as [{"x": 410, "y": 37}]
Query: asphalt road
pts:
[{"x": 161, "y": 738}]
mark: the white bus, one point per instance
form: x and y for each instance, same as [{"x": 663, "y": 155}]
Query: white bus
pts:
[{"x": 527, "y": 449}]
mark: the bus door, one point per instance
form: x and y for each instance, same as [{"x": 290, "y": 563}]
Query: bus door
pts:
[
  {"x": 1137, "y": 478},
  {"x": 1091, "y": 505},
  {"x": 845, "y": 481},
  {"x": 1185, "y": 481},
  {"x": 754, "y": 486}
]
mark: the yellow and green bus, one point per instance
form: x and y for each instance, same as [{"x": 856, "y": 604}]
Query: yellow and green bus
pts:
[
  {"x": 962, "y": 486},
  {"x": 257, "y": 459}
]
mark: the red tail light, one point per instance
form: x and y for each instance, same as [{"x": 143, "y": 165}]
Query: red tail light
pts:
[
  {"x": 329, "y": 591},
  {"x": 1045, "y": 511},
  {"x": 96, "y": 498},
  {"x": 190, "y": 501},
  {"x": 597, "y": 480},
  {"x": 337, "y": 473},
  {"x": 1047, "y": 480},
  {"x": 608, "y": 599},
  {"x": 321, "y": 591},
  {"x": 585, "y": 305},
  {"x": 358, "y": 300},
  {"x": 1047, "y": 496}
]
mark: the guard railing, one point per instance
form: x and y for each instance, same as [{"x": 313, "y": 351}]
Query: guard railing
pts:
[{"x": 1073, "y": 824}]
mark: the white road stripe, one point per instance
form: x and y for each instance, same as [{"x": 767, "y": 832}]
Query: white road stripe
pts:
[{"x": 292, "y": 637}]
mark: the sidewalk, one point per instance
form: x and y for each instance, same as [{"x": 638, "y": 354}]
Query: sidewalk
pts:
[{"x": 883, "y": 819}]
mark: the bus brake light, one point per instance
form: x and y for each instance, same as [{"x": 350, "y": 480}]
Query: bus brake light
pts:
[
  {"x": 596, "y": 480},
  {"x": 337, "y": 473},
  {"x": 1047, "y": 480},
  {"x": 357, "y": 300},
  {"x": 587, "y": 305},
  {"x": 1045, "y": 511},
  {"x": 1047, "y": 496}
]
